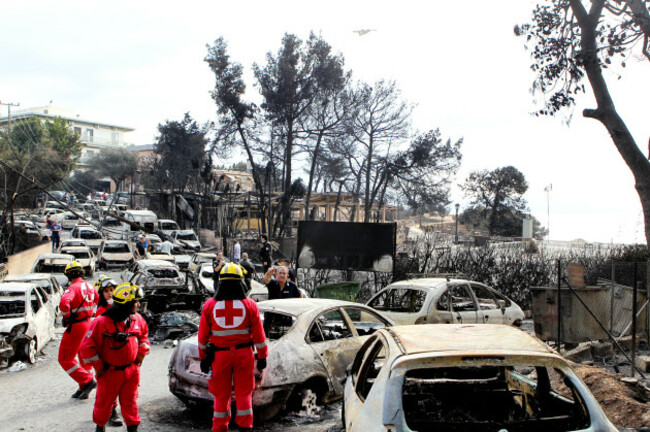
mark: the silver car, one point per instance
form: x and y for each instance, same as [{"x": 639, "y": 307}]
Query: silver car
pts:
[
  {"x": 311, "y": 343},
  {"x": 445, "y": 301}
]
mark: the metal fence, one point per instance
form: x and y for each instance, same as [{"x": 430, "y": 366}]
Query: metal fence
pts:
[{"x": 607, "y": 303}]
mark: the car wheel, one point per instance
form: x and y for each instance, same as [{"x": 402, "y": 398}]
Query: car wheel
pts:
[{"x": 30, "y": 351}]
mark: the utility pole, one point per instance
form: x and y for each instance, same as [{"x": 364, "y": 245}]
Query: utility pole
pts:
[{"x": 9, "y": 105}]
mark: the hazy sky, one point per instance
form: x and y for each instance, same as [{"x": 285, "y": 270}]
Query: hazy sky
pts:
[{"x": 140, "y": 63}]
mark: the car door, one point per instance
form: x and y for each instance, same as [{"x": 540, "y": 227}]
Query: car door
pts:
[
  {"x": 335, "y": 343},
  {"x": 488, "y": 308},
  {"x": 457, "y": 304},
  {"x": 367, "y": 365},
  {"x": 41, "y": 316},
  {"x": 403, "y": 305},
  {"x": 364, "y": 321}
]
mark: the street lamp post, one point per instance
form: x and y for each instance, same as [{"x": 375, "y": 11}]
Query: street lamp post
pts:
[
  {"x": 548, "y": 190},
  {"x": 456, "y": 237}
]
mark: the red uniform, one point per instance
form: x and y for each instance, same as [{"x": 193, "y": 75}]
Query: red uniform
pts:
[
  {"x": 115, "y": 364},
  {"x": 77, "y": 306},
  {"x": 234, "y": 325},
  {"x": 101, "y": 310}
]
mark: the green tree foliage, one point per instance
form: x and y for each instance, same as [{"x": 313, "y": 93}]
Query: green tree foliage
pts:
[
  {"x": 117, "y": 163},
  {"x": 182, "y": 156},
  {"x": 46, "y": 152},
  {"x": 499, "y": 192},
  {"x": 509, "y": 222},
  {"x": 571, "y": 40}
]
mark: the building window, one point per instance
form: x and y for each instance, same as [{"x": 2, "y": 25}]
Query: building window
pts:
[
  {"x": 115, "y": 138},
  {"x": 89, "y": 135},
  {"x": 77, "y": 130}
]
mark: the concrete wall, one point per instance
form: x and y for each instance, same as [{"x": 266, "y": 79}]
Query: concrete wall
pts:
[{"x": 22, "y": 262}]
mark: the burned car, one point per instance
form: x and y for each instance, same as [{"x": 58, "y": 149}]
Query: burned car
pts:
[
  {"x": 453, "y": 378},
  {"x": 51, "y": 283},
  {"x": 83, "y": 255},
  {"x": 26, "y": 319},
  {"x": 186, "y": 239},
  {"x": 164, "y": 286},
  {"x": 90, "y": 234},
  {"x": 115, "y": 254},
  {"x": 200, "y": 258},
  {"x": 52, "y": 263},
  {"x": 446, "y": 301},
  {"x": 311, "y": 343}
]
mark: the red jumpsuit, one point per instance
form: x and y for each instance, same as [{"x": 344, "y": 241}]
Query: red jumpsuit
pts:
[
  {"x": 114, "y": 362},
  {"x": 78, "y": 304},
  {"x": 228, "y": 324}
]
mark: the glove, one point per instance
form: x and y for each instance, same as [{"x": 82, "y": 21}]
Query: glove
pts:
[
  {"x": 138, "y": 359},
  {"x": 64, "y": 322},
  {"x": 261, "y": 364},
  {"x": 205, "y": 366}
]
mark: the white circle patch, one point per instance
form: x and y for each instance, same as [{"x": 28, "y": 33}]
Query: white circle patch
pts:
[{"x": 229, "y": 314}]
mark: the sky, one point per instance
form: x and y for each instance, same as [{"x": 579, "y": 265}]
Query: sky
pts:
[{"x": 138, "y": 64}]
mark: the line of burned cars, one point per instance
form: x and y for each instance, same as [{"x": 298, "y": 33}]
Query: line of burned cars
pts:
[{"x": 444, "y": 377}]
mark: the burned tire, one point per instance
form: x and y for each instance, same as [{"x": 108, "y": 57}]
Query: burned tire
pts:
[{"x": 30, "y": 350}]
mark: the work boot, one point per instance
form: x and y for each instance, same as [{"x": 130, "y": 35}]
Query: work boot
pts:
[
  {"x": 100, "y": 429},
  {"x": 76, "y": 394},
  {"x": 244, "y": 429},
  {"x": 86, "y": 389},
  {"x": 132, "y": 428},
  {"x": 115, "y": 419}
]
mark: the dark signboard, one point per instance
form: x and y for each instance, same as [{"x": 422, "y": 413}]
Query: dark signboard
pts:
[{"x": 346, "y": 245}]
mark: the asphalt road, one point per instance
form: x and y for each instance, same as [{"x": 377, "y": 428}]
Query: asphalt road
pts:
[{"x": 37, "y": 398}]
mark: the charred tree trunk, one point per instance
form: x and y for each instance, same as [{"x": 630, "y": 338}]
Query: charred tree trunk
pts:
[{"x": 606, "y": 111}]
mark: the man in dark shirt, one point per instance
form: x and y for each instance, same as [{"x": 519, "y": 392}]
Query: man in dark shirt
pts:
[
  {"x": 250, "y": 270},
  {"x": 281, "y": 287},
  {"x": 265, "y": 252},
  {"x": 56, "y": 235},
  {"x": 293, "y": 277}
]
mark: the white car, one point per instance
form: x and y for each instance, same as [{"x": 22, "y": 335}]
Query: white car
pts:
[
  {"x": 154, "y": 274},
  {"x": 52, "y": 263},
  {"x": 311, "y": 343},
  {"x": 453, "y": 378},
  {"x": 167, "y": 226},
  {"x": 200, "y": 258},
  {"x": 84, "y": 256},
  {"x": 91, "y": 235},
  {"x": 186, "y": 239},
  {"x": 181, "y": 258},
  {"x": 115, "y": 253},
  {"x": 26, "y": 319},
  {"x": 445, "y": 301},
  {"x": 51, "y": 283},
  {"x": 29, "y": 227}
]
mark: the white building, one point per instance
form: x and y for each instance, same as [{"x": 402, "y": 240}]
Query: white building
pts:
[{"x": 94, "y": 135}]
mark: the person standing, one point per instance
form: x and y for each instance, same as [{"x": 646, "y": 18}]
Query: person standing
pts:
[
  {"x": 249, "y": 271},
  {"x": 281, "y": 287},
  {"x": 217, "y": 265},
  {"x": 266, "y": 252},
  {"x": 116, "y": 347},
  {"x": 236, "y": 252},
  {"x": 55, "y": 230},
  {"x": 78, "y": 304},
  {"x": 141, "y": 246},
  {"x": 105, "y": 287},
  {"x": 229, "y": 328}
]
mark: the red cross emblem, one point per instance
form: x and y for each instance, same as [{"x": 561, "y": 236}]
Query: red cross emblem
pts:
[{"x": 229, "y": 314}]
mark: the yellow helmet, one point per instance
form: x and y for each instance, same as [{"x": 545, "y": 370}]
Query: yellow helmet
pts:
[
  {"x": 232, "y": 271},
  {"x": 127, "y": 292},
  {"x": 98, "y": 284},
  {"x": 73, "y": 267}
]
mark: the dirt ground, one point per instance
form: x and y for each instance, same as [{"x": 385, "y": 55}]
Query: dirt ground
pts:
[{"x": 626, "y": 405}]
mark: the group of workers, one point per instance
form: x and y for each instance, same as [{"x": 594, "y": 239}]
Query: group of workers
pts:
[
  {"x": 104, "y": 331},
  {"x": 107, "y": 333}
]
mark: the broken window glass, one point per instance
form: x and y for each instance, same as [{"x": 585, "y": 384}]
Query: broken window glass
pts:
[
  {"x": 163, "y": 273},
  {"x": 12, "y": 308},
  {"x": 276, "y": 324},
  {"x": 400, "y": 300},
  {"x": 484, "y": 297},
  {"x": 330, "y": 326},
  {"x": 491, "y": 398},
  {"x": 116, "y": 248},
  {"x": 365, "y": 322},
  {"x": 461, "y": 299},
  {"x": 372, "y": 365}
]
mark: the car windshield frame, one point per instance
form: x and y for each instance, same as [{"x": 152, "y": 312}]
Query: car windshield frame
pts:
[{"x": 276, "y": 333}]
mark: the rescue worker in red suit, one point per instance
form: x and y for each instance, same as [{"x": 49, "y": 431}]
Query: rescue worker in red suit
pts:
[
  {"x": 78, "y": 304},
  {"x": 105, "y": 287},
  {"x": 230, "y": 327},
  {"x": 115, "y": 347}
]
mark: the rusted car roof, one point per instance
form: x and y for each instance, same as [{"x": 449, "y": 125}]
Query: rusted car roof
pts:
[{"x": 468, "y": 338}]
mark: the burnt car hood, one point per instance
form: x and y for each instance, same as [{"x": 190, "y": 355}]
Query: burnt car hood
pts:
[
  {"x": 6, "y": 324},
  {"x": 190, "y": 243},
  {"x": 124, "y": 256}
]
